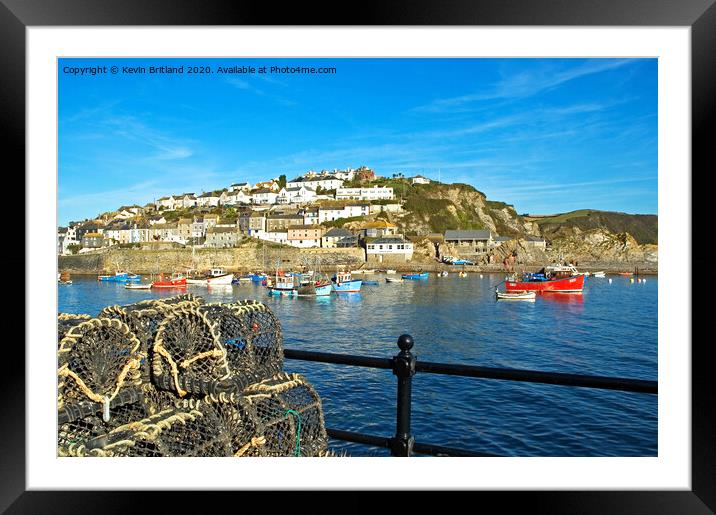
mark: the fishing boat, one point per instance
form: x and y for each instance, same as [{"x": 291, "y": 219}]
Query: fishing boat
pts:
[
  {"x": 138, "y": 286},
  {"x": 320, "y": 288},
  {"x": 555, "y": 278},
  {"x": 393, "y": 279},
  {"x": 215, "y": 277},
  {"x": 343, "y": 282},
  {"x": 626, "y": 274},
  {"x": 516, "y": 295},
  {"x": 417, "y": 275},
  {"x": 177, "y": 280},
  {"x": 284, "y": 284},
  {"x": 599, "y": 274}
]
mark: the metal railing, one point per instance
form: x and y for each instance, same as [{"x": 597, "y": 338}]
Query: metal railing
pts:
[{"x": 405, "y": 365}]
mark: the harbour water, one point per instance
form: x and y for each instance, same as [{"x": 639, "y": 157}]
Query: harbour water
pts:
[{"x": 610, "y": 330}]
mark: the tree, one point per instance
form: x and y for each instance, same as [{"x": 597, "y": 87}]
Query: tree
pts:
[
  {"x": 281, "y": 181},
  {"x": 74, "y": 248}
]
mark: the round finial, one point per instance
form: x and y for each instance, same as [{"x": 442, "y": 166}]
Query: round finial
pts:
[{"x": 405, "y": 342}]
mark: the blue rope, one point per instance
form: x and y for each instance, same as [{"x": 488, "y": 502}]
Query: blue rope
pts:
[{"x": 297, "y": 452}]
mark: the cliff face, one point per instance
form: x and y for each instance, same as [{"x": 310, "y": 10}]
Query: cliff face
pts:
[
  {"x": 435, "y": 208},
  {"x": 586, "y": 235},
  {"x": 602, "y": 245}
]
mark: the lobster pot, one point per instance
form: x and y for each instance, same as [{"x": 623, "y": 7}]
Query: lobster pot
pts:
[
  {"x": 66, "y": 321},
  {"x": 288, "y": 415},
  {"x": 265, "y": 339},
  {"x": 81, "y": 422},
  {"x": 187, "y": 353},
  {"x": 99, "y": 379},
  {"x": 143, "y": 319},
  {"x": 253, "y": 346},
  {"x": 97, "y": 359}
]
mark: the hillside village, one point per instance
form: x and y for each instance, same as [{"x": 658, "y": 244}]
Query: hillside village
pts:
[{"x": 396, "y": 219}]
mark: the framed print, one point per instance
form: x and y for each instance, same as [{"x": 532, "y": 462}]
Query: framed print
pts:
[{"x": 399, "y": 179}]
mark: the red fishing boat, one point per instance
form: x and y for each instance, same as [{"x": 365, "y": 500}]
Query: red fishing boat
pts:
[
  {"x": 549, "y": 279},
  {"x": 176, "y": 281}
]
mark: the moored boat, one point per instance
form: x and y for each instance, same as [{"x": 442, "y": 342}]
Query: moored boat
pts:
[
  {"x": 599, "y": 274},
  {"x": 320, "y": 288},
  {"x": 120, "y": 277},
  {"x": 549, "y": 279},
  {"x": 393, "y": 279},
  {"x": 417, "y": 275},
  {"x": 343, "y": 282},
  {"x": 516, "y": 295},
  {"x": 284, "y": 284},
  {"x": 176, "y": 281},
  {"x": 138, "y": 286}
]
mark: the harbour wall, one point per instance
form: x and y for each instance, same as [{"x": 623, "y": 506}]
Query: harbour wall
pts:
[
  {"x": 232, "y": 260},
  {"x": 255, "y": 259}
]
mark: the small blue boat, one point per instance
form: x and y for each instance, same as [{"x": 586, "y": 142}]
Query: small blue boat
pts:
[
  {"x": 344, "y": 283},
  {"x": 120, "y": 277},
  {"x": 422, "y": 275},
  {"x": 257, "y": 278}
]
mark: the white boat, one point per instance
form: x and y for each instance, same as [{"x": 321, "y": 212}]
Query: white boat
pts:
[
  {"x": 138, "y": 286},
  {"x": 217, "y": 276},
  {"x": 394, "y": 279},
  {"x": 523, "y": 295},
  {"x": 391, "y": 272},
  {"x": 599, "y": 274},
  {"x": 443, "y": 273}
]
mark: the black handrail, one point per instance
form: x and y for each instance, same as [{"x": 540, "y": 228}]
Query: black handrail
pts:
[{"x": 405, "y": 365}]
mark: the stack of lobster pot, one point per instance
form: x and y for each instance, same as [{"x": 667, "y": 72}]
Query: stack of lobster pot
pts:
[{"x": 179, "y": 377}]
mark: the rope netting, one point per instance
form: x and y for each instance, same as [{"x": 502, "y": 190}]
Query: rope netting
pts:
[{"x": 178, "y": 377}]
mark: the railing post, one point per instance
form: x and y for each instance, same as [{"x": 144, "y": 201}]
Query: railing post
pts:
[{"x": 404, "y": 368}]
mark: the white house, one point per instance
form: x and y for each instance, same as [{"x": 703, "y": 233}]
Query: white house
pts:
[
  {"x": 356, "y": 210},
  {"x": 327, "y": 182},
  {"x": 239, "y": 197},
  {"x": 188, "y": 200},
  {"x": 210, "y": 199},
  {"x": 310, "y": 216},
  {"x": 295, "y": 195},
  {"x": 344, "y": 175},
  {"x": 389, "y": 249},
  {"x": 169, "y": 202},
  {"x": 374, "y": 193},
  {"x": 264, "y": 196},
  {"x": 328, "y": 214},
  {"x": 275, "y": 236},
  {"x": 419, "y": 179}
]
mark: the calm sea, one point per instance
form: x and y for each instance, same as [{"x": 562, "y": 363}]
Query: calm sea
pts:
[{"x": 610, "y": 330}]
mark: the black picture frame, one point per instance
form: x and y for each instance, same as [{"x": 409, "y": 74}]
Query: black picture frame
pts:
[{"x": 699, "y": 15}]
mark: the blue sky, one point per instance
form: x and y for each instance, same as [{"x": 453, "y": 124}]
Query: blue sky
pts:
[{"x": 546, "y": 135}]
